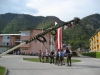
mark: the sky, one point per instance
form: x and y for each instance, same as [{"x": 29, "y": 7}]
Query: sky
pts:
[{"x": 65, "y": 10}]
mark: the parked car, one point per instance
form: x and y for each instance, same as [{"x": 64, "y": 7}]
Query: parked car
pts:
[{"x": 35, "y": 54}]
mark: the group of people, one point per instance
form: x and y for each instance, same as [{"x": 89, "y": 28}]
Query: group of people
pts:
[{"x": 56, "y": 56}]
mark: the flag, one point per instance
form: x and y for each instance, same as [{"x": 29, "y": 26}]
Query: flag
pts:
[
  {"x": 59, "y": 37},
  {"x": 65, "y": 27},
  {"x": 56, "y": 23}
]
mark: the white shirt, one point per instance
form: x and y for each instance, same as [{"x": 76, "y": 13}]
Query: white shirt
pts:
[{"x": 70, "y": 51}]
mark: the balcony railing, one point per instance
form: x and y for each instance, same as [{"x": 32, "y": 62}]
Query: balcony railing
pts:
[
  {"x": 17, "y": 40},
  {"x": 6, "y": 45}
]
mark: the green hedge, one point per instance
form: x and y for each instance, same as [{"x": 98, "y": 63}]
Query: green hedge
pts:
[{"x": 92, "y": 54}]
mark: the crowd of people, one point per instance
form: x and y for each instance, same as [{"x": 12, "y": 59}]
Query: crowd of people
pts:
[{"x": 56, "y": 56}]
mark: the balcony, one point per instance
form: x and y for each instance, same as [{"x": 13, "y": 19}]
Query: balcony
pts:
[
  {"x": 17, "y": 40},
  {"x": 7, "y": 45}
]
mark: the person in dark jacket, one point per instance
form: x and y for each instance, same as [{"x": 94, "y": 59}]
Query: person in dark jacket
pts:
[
  {"x": 40, "y": 55},
  {"x": 57, "y": 57},
  {"x": 52, "y": 57},
  {"x": 68, "y": 54}
]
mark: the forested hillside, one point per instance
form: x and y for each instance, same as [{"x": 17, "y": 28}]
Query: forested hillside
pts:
[
  {"x": 13, "y": 23},
  {"x": 77, "y": 36}
]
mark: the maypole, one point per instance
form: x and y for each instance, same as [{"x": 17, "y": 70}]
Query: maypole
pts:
[{"x": 41, "y": 35}]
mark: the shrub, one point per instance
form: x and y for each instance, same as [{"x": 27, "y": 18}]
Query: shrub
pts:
[{"x": 92, "y": 54}]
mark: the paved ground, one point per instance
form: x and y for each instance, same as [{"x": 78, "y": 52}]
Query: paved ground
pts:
[{"x": 16, "y": 66}]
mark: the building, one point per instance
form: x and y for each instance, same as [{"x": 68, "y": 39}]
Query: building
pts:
[
  {"x": 95, "y": 41},
  {"x": 34, "y": 46},
  {"x": 8, "y": 41}
]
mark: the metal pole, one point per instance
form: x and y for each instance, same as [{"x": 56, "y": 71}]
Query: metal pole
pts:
[{"x": 41, "y": 42}]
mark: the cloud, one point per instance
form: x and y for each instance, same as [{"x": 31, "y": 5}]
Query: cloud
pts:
[
  {"x": 15, "y": 6},
  {"x": 63, "y": 9}
]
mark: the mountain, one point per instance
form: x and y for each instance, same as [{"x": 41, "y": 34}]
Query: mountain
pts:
[
  {"x": 77, "y": 36},
  {"x": 13, "y": 23}
]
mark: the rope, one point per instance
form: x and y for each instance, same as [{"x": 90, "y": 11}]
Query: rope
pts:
[{"x": 45, "y": 47}]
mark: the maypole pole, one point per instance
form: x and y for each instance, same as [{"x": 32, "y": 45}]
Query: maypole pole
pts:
[{"x": 39, "y": 36}]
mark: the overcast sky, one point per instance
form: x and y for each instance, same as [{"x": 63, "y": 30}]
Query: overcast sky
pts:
[{"x": 65, "y": 10}]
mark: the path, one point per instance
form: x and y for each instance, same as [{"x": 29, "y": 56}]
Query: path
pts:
[{"x": 16, "y": 66}]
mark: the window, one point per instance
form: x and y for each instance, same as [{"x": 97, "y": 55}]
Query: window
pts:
[
  {"x": 22, "y": 41},
  {"x": 4, "y": 37},
  {"x": 3, "y": 43},
  {"x": 25, "y": 33},
  {"x": 8, "y": 37},
  {"x": 25, "y": 49},
  {"x": 7, "y": 43}
]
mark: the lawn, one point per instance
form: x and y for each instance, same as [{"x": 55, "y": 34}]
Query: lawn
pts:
[
  {"x": 2, "y": 70},
  {"x": 37, "y": 60}
]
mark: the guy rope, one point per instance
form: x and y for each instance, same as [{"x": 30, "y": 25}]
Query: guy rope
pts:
[{"x": 41, "y": 35}]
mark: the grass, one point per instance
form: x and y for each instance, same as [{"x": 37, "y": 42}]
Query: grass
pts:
[
  {"x": 32, "y": 59},
  {"x": 2, "y": 70},
  {"x": 37, "y": 60}
]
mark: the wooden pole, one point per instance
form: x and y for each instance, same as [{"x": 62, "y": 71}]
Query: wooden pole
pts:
[
  {"x": 74, "y": 21},
  {"x": 12, "y": 49}
]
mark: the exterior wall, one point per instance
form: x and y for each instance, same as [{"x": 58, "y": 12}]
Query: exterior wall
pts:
[
  {"x": 34, "y": 46},
  {"x": 52, "y": 42},
  {"x": 0, "y": 40},
  {"x": 95, "y": 42},
  {"x": 24, "y": 50},
  {"x": 24, "y": 36},
  {"x": 8, "y": 41},
  {"x": 14, "y": 40}
]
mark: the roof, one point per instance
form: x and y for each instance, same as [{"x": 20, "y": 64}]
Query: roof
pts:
[
  {"x": 9, "y": 34},
  {"x": 34, "y": 29},
  {"x": 95, "y": 33},
  {"x": 31, "y": 29}
]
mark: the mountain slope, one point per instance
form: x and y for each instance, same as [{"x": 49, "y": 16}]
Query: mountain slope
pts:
[
  {"x": 13, "y": 23},
  {"x": 77, "y": 36}
]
